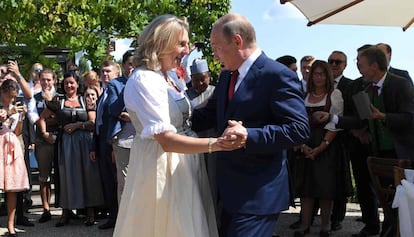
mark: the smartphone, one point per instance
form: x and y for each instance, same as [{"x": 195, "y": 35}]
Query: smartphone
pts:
[
  {"x": 112, "y": 44},
  {"x": 19, "y": 100}
]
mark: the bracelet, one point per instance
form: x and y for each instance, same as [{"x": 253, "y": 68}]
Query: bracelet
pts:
[{"x": 209, "y": 145}]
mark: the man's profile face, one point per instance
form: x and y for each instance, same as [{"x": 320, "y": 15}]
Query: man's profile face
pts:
[{"x": 224, "y": 51}]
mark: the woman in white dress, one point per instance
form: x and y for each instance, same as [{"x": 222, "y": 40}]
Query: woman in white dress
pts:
[{"x": 166, "y": 192}]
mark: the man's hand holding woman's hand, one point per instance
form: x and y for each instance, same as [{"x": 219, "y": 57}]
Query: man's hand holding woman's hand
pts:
[{"x": 234, "y": 137}]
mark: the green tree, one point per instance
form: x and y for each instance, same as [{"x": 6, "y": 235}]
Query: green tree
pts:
[{"x": 89, "y": 25}]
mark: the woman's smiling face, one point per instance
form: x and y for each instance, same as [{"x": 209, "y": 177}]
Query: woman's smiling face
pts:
[
  {"x": 70, "y": 85},
  {"x": 172, "y": 58}
]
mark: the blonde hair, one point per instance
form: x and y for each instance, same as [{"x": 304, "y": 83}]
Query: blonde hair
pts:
[
  {"x": 90, "y": 76},
  {"x": 157, "y": 39}
]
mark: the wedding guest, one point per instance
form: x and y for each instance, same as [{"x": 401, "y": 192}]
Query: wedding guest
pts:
[
  {"x": 14, "y": 177},
  {"x": 80, "y": 183}
]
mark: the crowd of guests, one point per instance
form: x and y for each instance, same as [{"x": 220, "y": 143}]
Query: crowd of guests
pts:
[
  {"x": 340, "y": 139},
  {"x": 81, "y": 135},
  {"x": 84, "y": 136}
]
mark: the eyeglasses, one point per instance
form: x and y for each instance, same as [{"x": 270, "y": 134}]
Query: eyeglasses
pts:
[
  {"x": 335, "y": 61},
  {"x": 37, "y": 69}
]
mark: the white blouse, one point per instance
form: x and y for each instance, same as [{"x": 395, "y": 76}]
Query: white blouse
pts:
[
  {"x": 337, "y": 107},
  {"x": 146, "y": 95}
]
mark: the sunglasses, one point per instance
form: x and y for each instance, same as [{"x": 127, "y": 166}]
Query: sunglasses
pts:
[
  {"x": 335, "y": 61},
  {"x": 38, "y": 69}
]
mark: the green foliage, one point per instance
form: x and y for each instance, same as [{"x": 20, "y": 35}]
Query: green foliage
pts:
[{"x": 89, "y": 25}]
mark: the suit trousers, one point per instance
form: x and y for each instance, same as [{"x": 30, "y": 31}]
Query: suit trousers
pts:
[
  {"x": 122, "y": 161},
  {"x": 107, "y": 170},
  {"x": 366, "y": 196},
  {"x": 247, "y": 225}
]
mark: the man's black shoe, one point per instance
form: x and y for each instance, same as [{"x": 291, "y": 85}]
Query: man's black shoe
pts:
[
  {"x": 23, "y": 221},
  {"x": 336, "y": 225},
  {"x": 46, "y": 216},
  {"x": 107, "y": 225},
  {"x": 295, "y": 225}
]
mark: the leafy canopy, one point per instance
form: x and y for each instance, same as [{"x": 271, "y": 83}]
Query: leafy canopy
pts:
[{"x": 90, "y": 24}]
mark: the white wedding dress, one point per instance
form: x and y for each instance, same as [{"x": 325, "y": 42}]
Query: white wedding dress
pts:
[{"x": 166, "y": 194}]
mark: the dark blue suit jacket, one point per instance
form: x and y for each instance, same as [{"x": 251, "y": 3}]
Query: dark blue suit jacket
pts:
[
  {"x": 116, "y": 105},
  {"x": 254, "y": 179},
  {"x": 401, "y": 73}
]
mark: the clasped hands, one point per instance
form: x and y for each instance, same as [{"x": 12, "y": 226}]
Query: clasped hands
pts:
[
  {"x": 233, "y": 137},
  {"x": 309, "y": 152}
]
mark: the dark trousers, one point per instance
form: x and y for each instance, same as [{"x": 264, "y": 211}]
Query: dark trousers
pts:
[
  {"x": 108, "y": 175},
  {"x": 339, "y": 209},
  {"x": 366, "y": 195},
  {"x": 247, "y": 225},
  {"x": 28, "y": 136},
  {"x": 19, "y": 205}
]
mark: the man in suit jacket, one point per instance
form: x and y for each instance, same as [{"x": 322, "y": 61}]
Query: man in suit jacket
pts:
[
  {"x": 121, "y": 132},
  {"x": 107, "y": 168},
  {"x": 338, "y": 62},
  {"x": 397, "y": 112},
  {"x": 386, "y": 48},
  {"x": 268, "y": 105}
]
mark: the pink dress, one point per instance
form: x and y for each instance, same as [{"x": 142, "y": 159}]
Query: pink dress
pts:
[{"x": 13, "y": 173}]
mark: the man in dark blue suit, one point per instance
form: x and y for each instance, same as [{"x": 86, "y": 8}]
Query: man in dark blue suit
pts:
[
  {"x": 121, "y": 132},
  {"x": 386, "y": 48},
  {"x": 260, "y": 100},
  {"x": 107, "y": 168}
]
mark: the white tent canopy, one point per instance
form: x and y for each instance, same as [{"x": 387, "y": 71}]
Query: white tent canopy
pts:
[{"x": 357, "y": 12}]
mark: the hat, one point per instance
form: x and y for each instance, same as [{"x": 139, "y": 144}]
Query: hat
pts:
[{"x": 199, "y": 66}]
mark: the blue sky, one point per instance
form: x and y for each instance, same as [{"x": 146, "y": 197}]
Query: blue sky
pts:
[{"x": 281, "y": 29}]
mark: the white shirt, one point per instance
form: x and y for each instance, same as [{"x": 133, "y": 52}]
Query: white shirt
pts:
[{"x": 245, "y": 67}]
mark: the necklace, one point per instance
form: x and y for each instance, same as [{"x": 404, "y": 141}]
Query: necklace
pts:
[
  {"x": 317, "y": 96},
  {"x": 71, "y": 99}
]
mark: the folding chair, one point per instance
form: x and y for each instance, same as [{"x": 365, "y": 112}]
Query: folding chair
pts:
[{"x": 382, "y": 174}]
